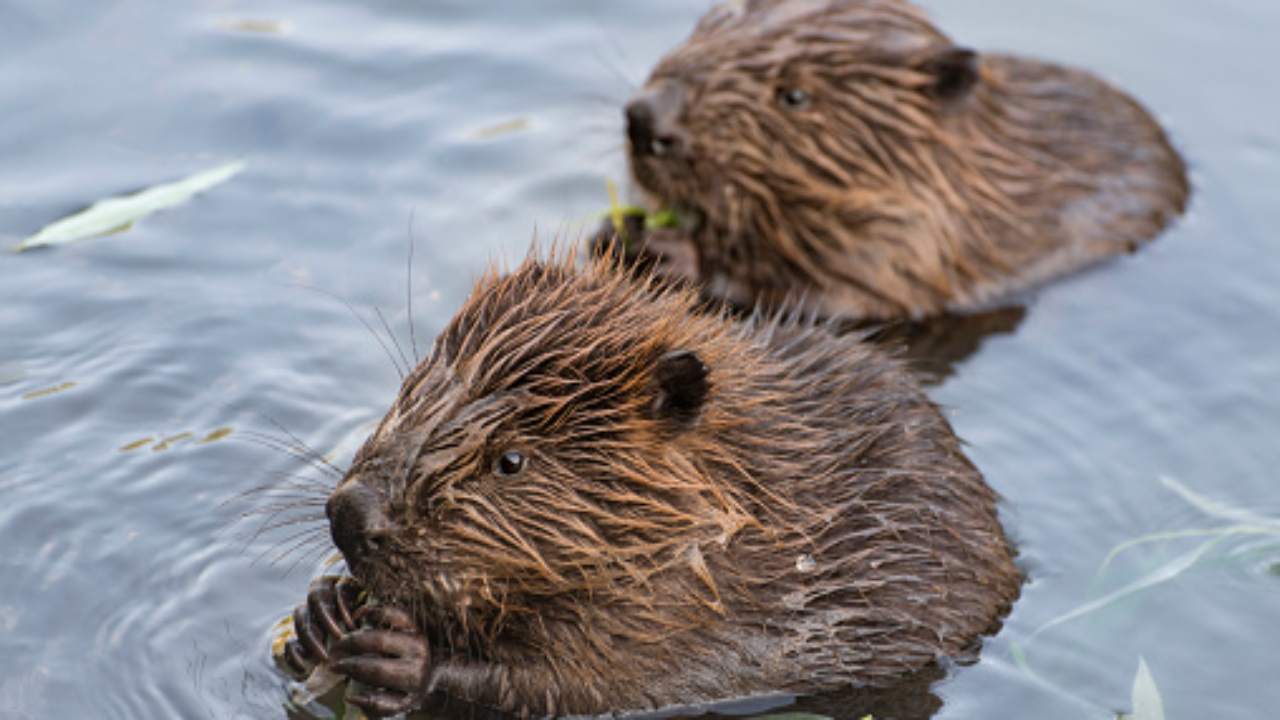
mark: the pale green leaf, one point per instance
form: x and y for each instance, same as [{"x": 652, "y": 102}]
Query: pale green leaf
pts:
[
  {"x": 1216, "y": 508},
  {"x": 1161, "y": 574},
  {"x": 116, "y": 214},
  {"x": 500, "y": 129},
  {"x": 1147, "y": 704},
  {"x": 1222, "y": 532}
]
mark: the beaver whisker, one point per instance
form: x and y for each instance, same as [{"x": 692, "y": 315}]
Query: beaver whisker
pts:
[
  {"x": 401, "y": 370},
  {"x": 386, "y": 327},
  {"x": 408, "y": 289},
  {"x": 314, "y": 537},
  {"x": 310, "y": 557},
  {"x": 274, "y": 522},
  {"x": 297, "y": 493},
  {"x": 291, "y": 448},
  {"x": 614, "y": 69},
  {"x": 302, "y": 484}
]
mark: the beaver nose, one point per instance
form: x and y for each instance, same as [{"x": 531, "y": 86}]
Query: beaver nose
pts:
[
  {"x": 357, "y": 521},
  {"x": 651, "y": 122}
]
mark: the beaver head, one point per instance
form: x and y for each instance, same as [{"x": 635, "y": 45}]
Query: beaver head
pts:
[
  {"x": 593, "y": 497},
  {"x": 850, "y": 151}
]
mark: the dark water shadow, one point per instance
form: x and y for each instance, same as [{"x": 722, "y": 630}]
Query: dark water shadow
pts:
[
  {"x": 911, "y": 699},
  {"x": 934, "y": 347}
]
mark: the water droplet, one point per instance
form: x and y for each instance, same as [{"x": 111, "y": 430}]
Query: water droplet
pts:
[{"x": 805, "y": 563}]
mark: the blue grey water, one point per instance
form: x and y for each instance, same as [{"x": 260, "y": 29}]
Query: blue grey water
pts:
[{"x": 1129, "y": 401}]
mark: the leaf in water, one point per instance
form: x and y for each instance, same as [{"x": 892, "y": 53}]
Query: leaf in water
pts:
[
  {"x": 170, "y": 441},
  {"x": 215, "y": 436},
  {"x": 1019, "y": 656},
  {"x": 1215, "y": 508},
  {"x": 792, "y": 716},
  {"x": 117, "y": 213},
  {"x": 503, "y": 128},
  {"x": 46, "y": 392},
  {"x": 1222, "y": 532},
  {"x": 1147, "y": 704},
  {"x": 250, "y": 25},
  {"x": 136, "y": 444},
  {"x": 1164, "y": 573}
]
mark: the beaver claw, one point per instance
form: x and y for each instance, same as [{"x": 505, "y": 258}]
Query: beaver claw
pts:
[
  {"x": 325, "y": 617},
  {"x": 389, "y": 660}
]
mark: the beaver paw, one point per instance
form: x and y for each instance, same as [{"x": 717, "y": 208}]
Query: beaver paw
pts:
[
  {"x": 388, "y": 659},
  {"x": 326, "y": 616}
]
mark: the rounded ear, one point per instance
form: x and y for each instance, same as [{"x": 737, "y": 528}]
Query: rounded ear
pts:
[
  {"x": 954, "y": 71},
  {"x": 681, "y": 377}
]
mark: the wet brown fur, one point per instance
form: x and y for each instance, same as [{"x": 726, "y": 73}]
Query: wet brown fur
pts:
[
  {"x": 814, "y": 525},
  {"x": 882, "y": 197}
]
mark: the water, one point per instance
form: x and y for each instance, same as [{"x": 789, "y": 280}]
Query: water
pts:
[{"x": 132, "y": 590}]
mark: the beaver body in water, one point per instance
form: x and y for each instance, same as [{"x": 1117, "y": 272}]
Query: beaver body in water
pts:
[
  {"x": 849, "y": 152},
  {"x": 592, "y": 497}
]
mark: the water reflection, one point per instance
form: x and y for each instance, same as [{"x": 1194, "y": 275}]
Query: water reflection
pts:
[
  {"x": 935, "y": 346},
  {"x": 912, "y": 699}
]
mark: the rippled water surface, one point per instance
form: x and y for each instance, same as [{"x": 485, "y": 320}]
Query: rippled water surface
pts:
[{"x": 1131, "y": 401}]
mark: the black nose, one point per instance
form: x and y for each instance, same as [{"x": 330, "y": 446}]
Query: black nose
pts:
[
  {"x": 640, "y": 125},
  {"x": 357, "y": 521},
  {"x": 651, "y": 121}
]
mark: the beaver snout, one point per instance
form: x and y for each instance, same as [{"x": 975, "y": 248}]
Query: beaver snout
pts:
[
  {"x": 653, "y": 121},
  {"x": 357, "y": 521}
]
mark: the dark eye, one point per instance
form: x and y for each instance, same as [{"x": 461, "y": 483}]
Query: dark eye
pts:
[
  {"x": 793, "y": 99},
  {"x": 510, "y": 463}
]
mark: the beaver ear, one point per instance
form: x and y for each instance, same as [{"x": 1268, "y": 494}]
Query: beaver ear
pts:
[
  {"x": 682, "y": 386},
  {"x": 954, "y": 71}
]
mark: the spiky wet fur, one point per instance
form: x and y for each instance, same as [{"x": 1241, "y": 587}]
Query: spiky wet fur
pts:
[
  {"x": 880, "y": 199},
  {"x": 815, "y": 526}
]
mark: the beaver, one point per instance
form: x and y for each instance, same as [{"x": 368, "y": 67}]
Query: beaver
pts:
[
  {"x": 592, "y": 496},
  {"x": 849, "y": 152}
]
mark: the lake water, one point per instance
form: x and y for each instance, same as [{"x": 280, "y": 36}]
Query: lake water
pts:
[{"x": 1135, "y": 400}]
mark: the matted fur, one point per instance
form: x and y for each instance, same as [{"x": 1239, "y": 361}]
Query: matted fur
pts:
[
  {"x": 879, "y": 198},
  {"x": 814, "y": 526}
]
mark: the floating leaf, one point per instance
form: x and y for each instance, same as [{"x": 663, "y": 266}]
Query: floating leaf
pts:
[
  {"x": 117, "y": 214},
  {"x": 170, "y": 441},
  {"x": 1217, "y": 533},
  {"x": 1245, "y": 522},
  {"x": 216, "y": 435},
  {"x": 503, "y": 128},
  {"x": 1216, "y": 508},
  {"x": 1164, "y": 573},
  {"x": 46, "y": 392},
  {"x": 137, "y": 444},
  {"x": 1019, "y": 655},
  {"x": 250, "y": 25},
  {"x": 1147, "y": 704}
]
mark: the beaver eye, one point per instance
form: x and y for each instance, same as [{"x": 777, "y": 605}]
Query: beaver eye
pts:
[
  {"x": 793, "y": 98},
  {"x": 510, "y": 463}
]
